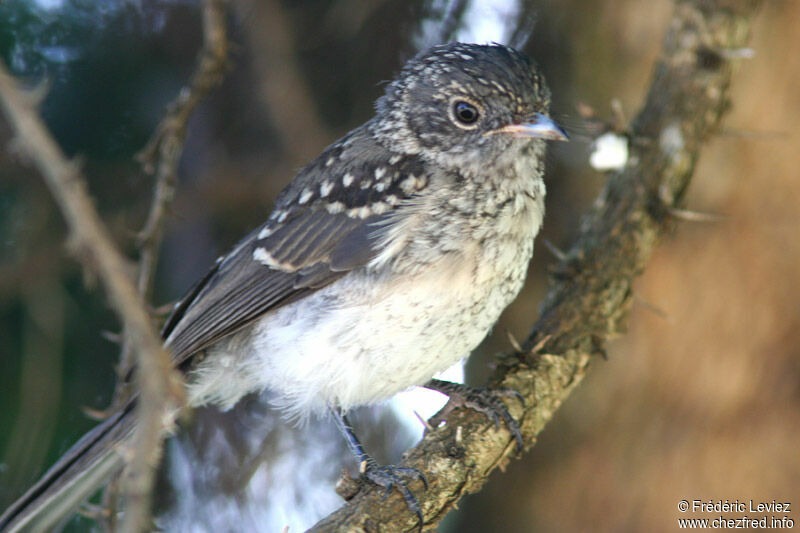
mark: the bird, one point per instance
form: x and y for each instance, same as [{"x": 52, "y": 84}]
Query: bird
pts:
[{"x": 385, "y": 260}]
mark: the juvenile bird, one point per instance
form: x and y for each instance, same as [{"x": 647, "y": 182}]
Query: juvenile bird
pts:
[{"x": 386, "y": 260}]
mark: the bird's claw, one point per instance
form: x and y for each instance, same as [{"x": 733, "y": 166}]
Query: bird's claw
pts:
[
  {"x": 483, "y": 400},
  {"x": 390, "y": 476}
]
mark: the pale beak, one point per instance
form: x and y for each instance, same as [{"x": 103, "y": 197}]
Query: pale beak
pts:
[{"x": 540, "y": 127}]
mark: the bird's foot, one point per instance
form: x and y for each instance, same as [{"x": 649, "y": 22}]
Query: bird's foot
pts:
[
  {"x": 394, "y": 477},
  {"x": 386, "y": 476},
  {"x": 486, "y": 401}
]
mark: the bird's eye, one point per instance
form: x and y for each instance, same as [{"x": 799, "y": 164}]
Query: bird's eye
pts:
[{"x": 465, "y": 112}]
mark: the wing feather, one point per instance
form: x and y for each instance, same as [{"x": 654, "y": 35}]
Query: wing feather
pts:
[
  {"x": 322, "y": 228},
  {"x": 311, "y": 252}
]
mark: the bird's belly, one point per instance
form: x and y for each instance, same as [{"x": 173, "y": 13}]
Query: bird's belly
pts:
[{"x": 362, "y": 339}]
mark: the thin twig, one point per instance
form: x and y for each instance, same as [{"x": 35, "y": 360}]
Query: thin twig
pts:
[{"x": 162, "y": 154}]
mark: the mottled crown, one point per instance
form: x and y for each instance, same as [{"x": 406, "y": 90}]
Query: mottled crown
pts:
[{"x": 416, "y": 111}]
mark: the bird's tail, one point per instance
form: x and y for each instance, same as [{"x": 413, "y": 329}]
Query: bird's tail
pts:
[{"x": 77, "y": 475}]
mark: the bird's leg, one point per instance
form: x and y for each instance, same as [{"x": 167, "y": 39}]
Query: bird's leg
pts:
[
  {"x": 486, "y": 401},
  {"x": 387, "y": 476}
]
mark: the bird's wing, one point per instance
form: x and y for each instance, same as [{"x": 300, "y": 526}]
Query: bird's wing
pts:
[
  {"x": 303, "y": 255},
  {"x": 327, "y": 222}
]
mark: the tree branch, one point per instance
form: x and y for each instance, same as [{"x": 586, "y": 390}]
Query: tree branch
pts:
[
  {"x": 158, "y": 382},
  {"x": 163, "y": 151},
  {"x": 591, "y": 289}
]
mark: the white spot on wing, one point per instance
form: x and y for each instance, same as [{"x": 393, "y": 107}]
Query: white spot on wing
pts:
[
  {"x": 362, "y": 212},
  {"x": 325, "y": 188},
  {"x": 335, "y": 207},
  {"x": 265, "y": 258},
  {"x": 347, "y": 180},
  {"x": 379, "y": 207},
  {"x": 265, "y": 232},
  {"x": 411, "y": 184},
  {"x": 305, "y": 196}
]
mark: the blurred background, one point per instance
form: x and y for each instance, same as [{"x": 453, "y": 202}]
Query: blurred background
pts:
[{"x": 699, "y": 400}]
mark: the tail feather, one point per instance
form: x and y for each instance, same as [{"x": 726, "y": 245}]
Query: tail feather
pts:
[{"x": 86, "y": 467}]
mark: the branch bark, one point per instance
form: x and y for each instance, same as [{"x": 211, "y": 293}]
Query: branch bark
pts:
[{"x": 591, "y": 288}]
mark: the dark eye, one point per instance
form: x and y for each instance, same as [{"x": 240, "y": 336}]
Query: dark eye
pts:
[{"x": 465, "y": 112}]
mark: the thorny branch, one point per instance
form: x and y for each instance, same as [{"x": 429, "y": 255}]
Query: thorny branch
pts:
[
  {"x": 93, "y": 246},
  {"x": 591, "y": 289},
  {"x": 163, "y": 151},
  {"x": 158, "y": 384}
]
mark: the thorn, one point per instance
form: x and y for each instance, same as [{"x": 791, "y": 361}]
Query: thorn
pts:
[
  {"x": 425, "y": 423},
  {"x": 514, "y": 342},
  {"x": 95, "y": 512},
  {"x": 654, "y": 308},
  {"x": 557, "y": 253},
  {"x": 36, "y": 95},
  {"x": 619, "y": 114},
  {"x": 162, "y": 310},
  {"x": 597, "y": 343},
  {"x": 737, "y": 53},
  {"x": 666, "y": 196},
  {"x": 75, "y": 165},
  {"x": 694, "y": 216},
  {"x": 112, "y": 337},
  {"x": 96, "y": 414},
  {"x": 539, "y": 345}
]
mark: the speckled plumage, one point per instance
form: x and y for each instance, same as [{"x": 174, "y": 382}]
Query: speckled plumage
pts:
[
  {"x": 406, "y": 239},
  {"x": 386, "y": 259}
]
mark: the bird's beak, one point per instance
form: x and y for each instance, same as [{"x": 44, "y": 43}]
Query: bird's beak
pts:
[{"x": 540, "y": 127}]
